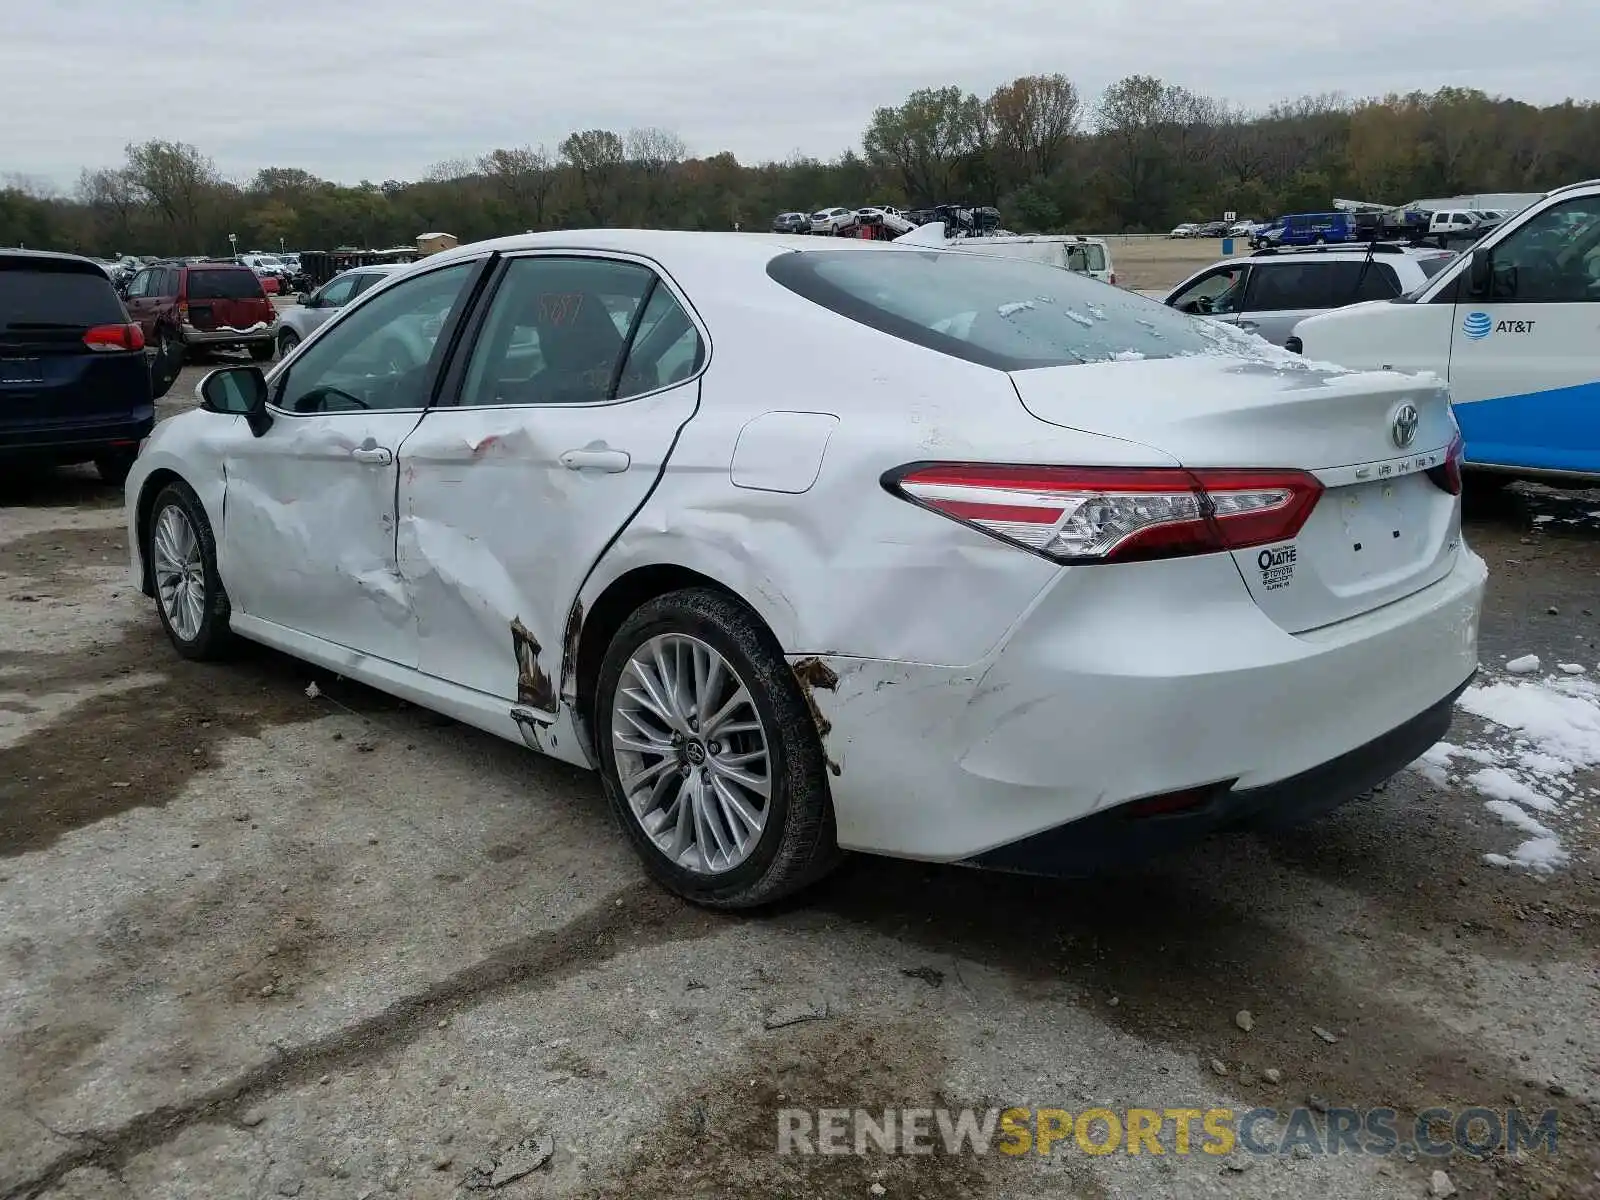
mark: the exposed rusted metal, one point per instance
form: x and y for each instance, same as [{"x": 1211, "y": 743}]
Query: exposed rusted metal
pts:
[
  {"x": 813, "y": 673},
  {"x": 569, "y": 650},
  {"x": 533, "y": 685}
]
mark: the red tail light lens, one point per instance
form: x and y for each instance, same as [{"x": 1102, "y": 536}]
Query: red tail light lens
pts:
[
  {"x": 114, "y": 337},
  {"x": 1114, "y": 514},
  {"x": 1448, "y": 474}
]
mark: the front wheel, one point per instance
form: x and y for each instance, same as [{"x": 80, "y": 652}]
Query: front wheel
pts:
[
  {"x": 710, "y": 753},
  {"x": 182, "y": 553},
  {"x": 287, "y": 341}
]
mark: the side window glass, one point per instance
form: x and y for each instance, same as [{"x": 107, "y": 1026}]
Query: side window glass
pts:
[
  {"x": 139, "y": 286},
  {"x": 1217, "y": 292},
  {"x": 170, "y": 282},
  {"x": 666, "y": 349},
  {"x": 555, "y": 331},
  {"x": 1281, "y": 286},
  {"x": 1380, "y": 283},
  {"x": 364, "y": 283},
  {"x": 338, "y": 292},
  {"x": 1553, "y": 259},
  {"x": 382, "y": 357}
]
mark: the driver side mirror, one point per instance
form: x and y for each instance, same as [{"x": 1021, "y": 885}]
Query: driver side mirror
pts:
[
  {"x": 1480, "y": 272},
  {"x": 307, "y": 300},
  {"x": 238, "y": 392}
]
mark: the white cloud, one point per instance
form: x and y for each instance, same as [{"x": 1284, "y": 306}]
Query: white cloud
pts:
[{"x": 379, "y": 89}]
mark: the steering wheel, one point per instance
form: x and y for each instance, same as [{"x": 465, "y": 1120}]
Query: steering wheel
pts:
[{"x": 315, "y": 399}]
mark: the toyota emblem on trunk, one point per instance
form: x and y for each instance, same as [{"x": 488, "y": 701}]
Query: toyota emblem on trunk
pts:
[{"x": 1404, "y": 429}]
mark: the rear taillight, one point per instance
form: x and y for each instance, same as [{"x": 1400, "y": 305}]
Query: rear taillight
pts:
[
  {"x": 1113, "y": 279},
  {"x": 1448, "y": 474},
  {"x": 114, "y": 337},
  {"x": 1114, "y": 514}
]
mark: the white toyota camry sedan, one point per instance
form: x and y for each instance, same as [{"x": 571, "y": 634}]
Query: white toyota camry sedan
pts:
[{"x": 811, "y": 547}]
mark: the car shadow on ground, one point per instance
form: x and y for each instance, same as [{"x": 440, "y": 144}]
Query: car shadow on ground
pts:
[
  {"x": 1532, "y": 508},
  {"x": 39, "y": 486}
]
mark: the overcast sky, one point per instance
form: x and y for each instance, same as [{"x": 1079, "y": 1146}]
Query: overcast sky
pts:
[{"x": 380, "y": 89}]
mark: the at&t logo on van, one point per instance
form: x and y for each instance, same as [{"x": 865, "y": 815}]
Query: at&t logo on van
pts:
[{"x": 1477, "y": 326}]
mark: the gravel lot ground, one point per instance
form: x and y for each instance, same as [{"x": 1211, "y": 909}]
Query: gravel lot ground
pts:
[{"x": 258, "y": 943}]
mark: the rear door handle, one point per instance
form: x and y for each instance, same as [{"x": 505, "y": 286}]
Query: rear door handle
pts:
[
  {"x": 381, "y": 455},
  {"x": 610, "y": 461}
]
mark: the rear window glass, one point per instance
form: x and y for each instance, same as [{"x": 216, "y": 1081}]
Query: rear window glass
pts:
[
  {"x": 1005, "y": 313},
  {"x": 34, "y": 297},
  {"x": 224, "y": 285},
  {"x": 1086, "y": 257}
]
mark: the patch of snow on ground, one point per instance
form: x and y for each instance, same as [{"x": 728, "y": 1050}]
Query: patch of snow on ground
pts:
[
  {"x": 1006, "y": 310},
  {"x": 1528, "y": 664},
  {"x": 1502, "y": 785},
  {"x": 1542, "y": 731}
]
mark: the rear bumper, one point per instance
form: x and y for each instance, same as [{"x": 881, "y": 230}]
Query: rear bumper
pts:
[
  {"x": 259, "y": 334},
  {"x": 1134, "y": 682},
  {"x": 82, "y": 439},
  {"x": 1118, "y": 838}
]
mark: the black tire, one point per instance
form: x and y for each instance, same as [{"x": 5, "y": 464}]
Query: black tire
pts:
[
  {"x": 262, "y": 351},
  {"x": 797, "y": 845},
  {"x": 287, "y": 341},
  {"x": 214, "y": 638},
  {"x": 114, "y": 465},
  {"x": 166, "y": 364}
]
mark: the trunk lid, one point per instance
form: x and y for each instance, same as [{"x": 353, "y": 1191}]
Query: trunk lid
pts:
[{"x": 1382, "y": 529}]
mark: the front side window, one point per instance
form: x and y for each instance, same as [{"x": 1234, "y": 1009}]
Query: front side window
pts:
[
  {"x": 139, "y": 286},
  {"x": 1005, "y": 313},
  {"x": 556, "y": 331},
  {"x": 1216, "y": 292},
  {"x": 1553, "y": 259},
  {"x": 382, "y": 355},
  {"x": 338, "y": 292}
]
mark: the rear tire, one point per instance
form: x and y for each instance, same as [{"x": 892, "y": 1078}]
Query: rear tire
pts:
[
  {"x": 182, "y": 555},
  {"x": 114, "y": 466},
  {"x": 694, "y": 633}
]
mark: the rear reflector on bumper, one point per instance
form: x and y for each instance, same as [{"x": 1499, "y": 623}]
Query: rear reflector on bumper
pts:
[{"x": 1114, "y": 514}]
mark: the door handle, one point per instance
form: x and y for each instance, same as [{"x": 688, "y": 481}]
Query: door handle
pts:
[
  {"x": 609, "y": 461},
  {"x": 381, "y": 455}
]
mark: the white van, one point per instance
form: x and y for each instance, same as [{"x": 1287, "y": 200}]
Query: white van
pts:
[
  {"x": 1069, "y": 251},
  {"x": 1513, "y": 325}
]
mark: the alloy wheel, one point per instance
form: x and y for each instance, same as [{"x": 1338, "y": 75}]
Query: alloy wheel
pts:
[
  {"x": 691, "y": 754},
  {"x": 180, "y": 572}
]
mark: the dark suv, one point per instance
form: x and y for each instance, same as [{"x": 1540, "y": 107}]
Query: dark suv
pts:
[
  {"x": 188, "y": 307},
  {"x": 74, "y": 383}
]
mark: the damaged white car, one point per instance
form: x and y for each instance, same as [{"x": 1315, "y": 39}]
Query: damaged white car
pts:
[{"x": 810, "y": 548}]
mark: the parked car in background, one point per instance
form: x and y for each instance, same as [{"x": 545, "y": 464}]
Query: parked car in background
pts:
[
  {"x": 1511, "y": 324},
  {"x": 833, "y": 220},
  {"x": 314, "y": 310},
  {"x": 268, "y": 266},
  {"x": 1071, "y": 252},
  {"x": 1211, "y": 229},
  {"x": 187, "y": 308},
  {"x": 891, "y": 219},
  {"x": 1272, "y": 291},
  {"x": 1184, "y": 230},
  {"x": 791, "y": 222},
  {"x": 1456, "y": 225},
  {"x": 1128, "y": 516},
  {"x": 1306, "y": 229},
  {"x": 1243, "y": 229},
  {"x": 74, "y": 380}
]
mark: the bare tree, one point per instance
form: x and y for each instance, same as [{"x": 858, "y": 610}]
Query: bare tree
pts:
[
  {"x": 1033, "y": 120},
  {"x": 176, "y": 179},
  {"x": 596, "y": 155},
  {"x": 523, "y": 178}
]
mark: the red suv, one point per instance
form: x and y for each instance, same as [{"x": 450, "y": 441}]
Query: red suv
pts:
[{"x": 187, "y": 307}]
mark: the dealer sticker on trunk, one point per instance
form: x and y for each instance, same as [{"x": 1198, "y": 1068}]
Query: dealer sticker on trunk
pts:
[{"x": 1277, "y": 567}]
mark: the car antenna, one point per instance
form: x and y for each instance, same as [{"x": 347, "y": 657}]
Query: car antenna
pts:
[{"x": 1361, "y": 275}]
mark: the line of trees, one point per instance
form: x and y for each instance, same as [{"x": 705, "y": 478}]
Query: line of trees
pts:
[{"x": 1145, "y": 155}]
